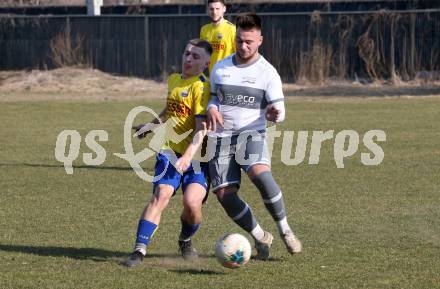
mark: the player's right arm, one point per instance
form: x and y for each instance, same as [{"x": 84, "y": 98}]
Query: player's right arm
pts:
[
  {"x": 232, "y": 40},
  {"x": 213, "y": 116},
  {"x": 142, "y": 130},
  {"x": 184, "y": 161},
  {"x": 201, "y": 92},
  {"x": 202, "y": 33}
]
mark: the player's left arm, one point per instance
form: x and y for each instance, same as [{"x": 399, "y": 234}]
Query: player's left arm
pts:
[
  {"x": 233, "y": 39},
  {"x": 275, "y": 111}
]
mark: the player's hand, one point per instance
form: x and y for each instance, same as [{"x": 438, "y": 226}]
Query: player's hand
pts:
[
  {"x": 183, "y": 163},
  {"x": 272, "y": 113},
  {"x": 142, "y": 130},
  {"x": 214, "y": 117}
]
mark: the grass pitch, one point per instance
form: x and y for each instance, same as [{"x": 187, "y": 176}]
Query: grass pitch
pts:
[{"x": 361, "y": 226}]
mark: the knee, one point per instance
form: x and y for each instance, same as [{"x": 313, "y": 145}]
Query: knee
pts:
[
  {"x": 266, "y": 184},
  {"x": 224, "y": 192},
  {"x": 258, "y": 169},
  {"x": 192, "y": 205},
  {"x": 160, "y": 199}
]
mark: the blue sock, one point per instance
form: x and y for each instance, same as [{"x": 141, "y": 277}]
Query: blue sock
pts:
[
  {"x": 187, "y": 230},
  {"x": 145, "y": 231}
]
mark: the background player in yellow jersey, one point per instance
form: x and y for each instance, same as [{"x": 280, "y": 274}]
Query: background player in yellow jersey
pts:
[
  {"x": 188, "y": 95},
  {"x": 220, "y": 32}
]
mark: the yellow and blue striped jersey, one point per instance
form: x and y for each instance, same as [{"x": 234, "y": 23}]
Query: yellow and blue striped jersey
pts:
[
  {"x": 186, "y": 100},
  {"x": 222, "y": 39}
]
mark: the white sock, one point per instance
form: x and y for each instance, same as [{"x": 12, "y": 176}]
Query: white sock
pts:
[
  {"x": 141, "y": 248},
  {"x": 257, "y": 233},
  {"x": 283, "y": 226}
]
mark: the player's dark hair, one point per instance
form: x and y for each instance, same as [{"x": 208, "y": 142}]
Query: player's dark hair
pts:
[
  {"x": 248, "y": 21},
  {"x": 214, "y": 1},
  {"x": 202, "y": 44}
]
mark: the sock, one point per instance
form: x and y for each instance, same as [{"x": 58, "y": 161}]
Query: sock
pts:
[
  {"x": 187, "y": 230},
  {"x": 144, "y": 233},
  {"x": 271, "y": 194},
  {"x": 257, "y": 233},
  {"x": 283, "y": 226},
  {"x": 238, "y": 211}
]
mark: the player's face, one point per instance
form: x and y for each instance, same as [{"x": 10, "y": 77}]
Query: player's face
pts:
[
  {"x": 194, "y": 61},
  {"x": 247, "y": 43},
  {"x": 216, "y": 11}
]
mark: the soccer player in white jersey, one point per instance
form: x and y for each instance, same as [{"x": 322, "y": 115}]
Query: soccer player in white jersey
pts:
[{"x": 246, "y": 91}]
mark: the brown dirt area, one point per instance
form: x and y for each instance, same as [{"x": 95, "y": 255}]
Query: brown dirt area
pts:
[{"x": 86, "y": 84}]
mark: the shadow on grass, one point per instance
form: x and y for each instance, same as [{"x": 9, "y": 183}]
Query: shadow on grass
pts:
[
  {"x": 93, "y": 254},
  {"x": 170, "y": 261},
  {"x": 271, "y": 259},
  {"x": 117, "y": 168},
  {"x": 69, "y": 252},
  {"x": 197, "y": 272}
]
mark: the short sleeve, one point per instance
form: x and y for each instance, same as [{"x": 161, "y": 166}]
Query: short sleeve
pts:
[
  {"x": 233, "y": 32},
  {"x": 274, "y": 88},
  {"x": 202, "y": 95},
  {"x": 202, "y": 34}
]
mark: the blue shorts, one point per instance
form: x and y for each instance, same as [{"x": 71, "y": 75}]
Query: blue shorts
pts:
[{"x": 174, "y": 179}]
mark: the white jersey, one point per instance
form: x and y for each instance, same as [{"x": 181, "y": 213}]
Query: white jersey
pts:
[{"x": 242, "y": 93}]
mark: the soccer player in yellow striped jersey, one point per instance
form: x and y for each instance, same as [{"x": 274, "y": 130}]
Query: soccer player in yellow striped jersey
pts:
[
  {"x": 188, "y": 95},
  {"x": 220, "y": 32}
]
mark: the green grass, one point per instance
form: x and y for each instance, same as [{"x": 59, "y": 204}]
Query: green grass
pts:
[{"x": 361, "y": 226}]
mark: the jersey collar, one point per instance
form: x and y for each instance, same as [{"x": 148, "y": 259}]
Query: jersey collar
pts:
[{"x": 234, "y": 61}]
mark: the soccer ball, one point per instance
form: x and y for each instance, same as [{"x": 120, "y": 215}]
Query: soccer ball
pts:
[{"x": 233, "y": 250}]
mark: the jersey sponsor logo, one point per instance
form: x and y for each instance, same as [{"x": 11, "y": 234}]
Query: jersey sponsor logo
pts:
[
  {"x": 184, "y": 93},
  {"x": 249, "y": 79},
  {"x": 178, "y": 109},
  {"x": 219, "y": 36},
  {"x": 232, "y": 99},
  {"x": 217, "y": 46},
  {"x": 241, "y": 96}
]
